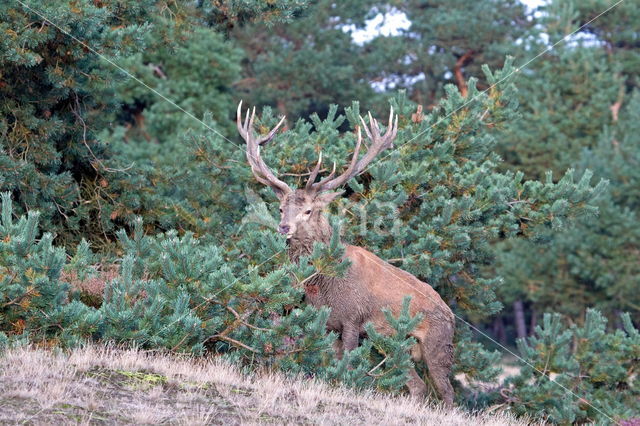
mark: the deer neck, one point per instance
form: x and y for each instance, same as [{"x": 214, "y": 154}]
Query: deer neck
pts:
[{"x": 301, "y": 243}]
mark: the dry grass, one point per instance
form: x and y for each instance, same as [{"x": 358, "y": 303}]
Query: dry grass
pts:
[{"x": 110, "y": 386}]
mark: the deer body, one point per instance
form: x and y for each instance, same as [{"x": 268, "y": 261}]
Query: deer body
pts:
[{"x": 370, "y": 284}]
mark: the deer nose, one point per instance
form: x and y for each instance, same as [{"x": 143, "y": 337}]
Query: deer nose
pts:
[{"x": 283, "y": 229}]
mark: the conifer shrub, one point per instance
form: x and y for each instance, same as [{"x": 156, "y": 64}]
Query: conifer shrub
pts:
[
  {"x": 34, "y": 302},
  {"x": 181, "y": 294},
  {"x": 578, "y": 374}
]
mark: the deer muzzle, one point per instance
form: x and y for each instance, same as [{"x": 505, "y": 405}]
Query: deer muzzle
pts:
[{"x": 284, "y": 229}]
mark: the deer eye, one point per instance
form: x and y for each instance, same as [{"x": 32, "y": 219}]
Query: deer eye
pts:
[
  {"x": 280, "y": 210},
  {"x": 307, "y": 212}
]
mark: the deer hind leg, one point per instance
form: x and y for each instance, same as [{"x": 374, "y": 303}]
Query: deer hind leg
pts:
[
  {"x": 437, "y": 352},
  {"x": 338, "y": 348},
  {"x": 417, "y": 387}
]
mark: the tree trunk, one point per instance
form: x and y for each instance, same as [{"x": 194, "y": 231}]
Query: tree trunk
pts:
[
  {"x": 534, "y": 320},
  {"x": 457, "y": 72},
  {"x": 617, "y": 319},
  {"x": 282, "y": 109},
  {"x": 498, "y": 329},
  {"x": 518, "y": 312}
]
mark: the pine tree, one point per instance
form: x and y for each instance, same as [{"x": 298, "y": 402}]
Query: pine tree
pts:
[
  {"x": 447, "y": 43},
  {"x": 312, "y": 62},
  {"x": 565, "y": 98},
  {"x": 60, "y": 97},
  {"x": 579, "y": 94},
  {"x": 616, "y": 30},
  {"x": 226, "y": 16},
  {"x": 578, "y": 374},
  {"x": 169, "y": 151},
  {"x": 305, "y": 66},
  {"x": 55, "y": 94}
]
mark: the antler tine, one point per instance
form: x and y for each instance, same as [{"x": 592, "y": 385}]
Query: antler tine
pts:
[
  {"x": 330, "y": 183},
  {"x": 264, "y": 139},
  {"x": 260, "y": 170},
  {"x": 252, "y": 118},
  {"x": 366, "y": 129},
  {"x": 314, "y": 172},
  {"x": 239, "y": 123},
  {"x": 247, "y": 124},
  {"x": 395, "y": 131},
  {"x": 374, "y": 126},
  {"x": 333, "y": 171},
  {"x": 319, "y": 185},
  {"x": 378, "y": 144},
  {"x": 392, "y": 129},
  {"x": 356, "y": 151}
]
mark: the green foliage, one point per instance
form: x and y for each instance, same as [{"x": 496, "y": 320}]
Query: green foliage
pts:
[
  {"x": 578, "y": 374},
  {"x": 438, "y": 201},
  {"x": 195, "y": 69},
  {"x": 472, "y": 359},
  {"x": 227, "y": 15},
  {"x": 33, "y": 300},
  {"x": 445, "y": 36},
  {"x": 588, "y": 265},
  {"x": 615, "y": 30},
  {"x": 578, "y": 109},
  {"x": 181, "y": 293},
  {"x": 380, "y": 361},
  {"x": 308, "y": 64},
  {"x": 55, "y": 94},
  {"x": 563, "y": 114},
  {"x": 325, "y": 259},
  {"x": 61, "y": 155},
  {"x": 173, "y": 292}
]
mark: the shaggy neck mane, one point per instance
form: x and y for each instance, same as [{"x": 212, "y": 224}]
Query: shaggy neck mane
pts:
[{"x": 301, "y": 243}]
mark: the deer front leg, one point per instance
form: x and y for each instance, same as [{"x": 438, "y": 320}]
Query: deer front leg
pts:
[
  {"x": 338, "y": 348},
  {"x": 350, "y": 334}
]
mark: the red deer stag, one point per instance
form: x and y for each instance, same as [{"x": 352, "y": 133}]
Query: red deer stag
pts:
[{"x": 370, "y": 284}]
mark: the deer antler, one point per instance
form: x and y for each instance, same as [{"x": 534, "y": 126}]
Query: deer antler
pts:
[
  {"x": 260, "y": 170},
  {"x": 378, "y": 144}
]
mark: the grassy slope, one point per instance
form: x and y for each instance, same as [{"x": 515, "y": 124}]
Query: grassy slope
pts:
[{"x": 102, "y": 385}]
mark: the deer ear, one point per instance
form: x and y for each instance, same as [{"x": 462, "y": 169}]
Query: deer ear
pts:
[{"x": 325, "y": 198}]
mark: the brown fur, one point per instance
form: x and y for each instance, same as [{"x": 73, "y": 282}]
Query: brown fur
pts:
[{"x": 369, "y": 285}]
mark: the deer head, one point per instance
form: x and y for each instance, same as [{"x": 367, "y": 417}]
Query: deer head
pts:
[{"x": 301, "y": 209}]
